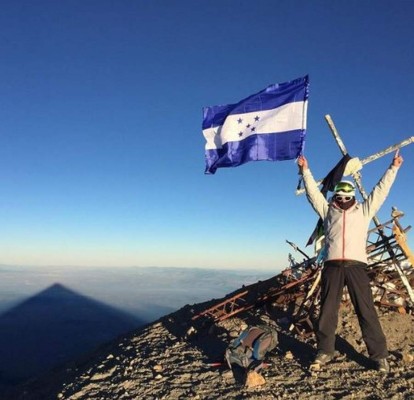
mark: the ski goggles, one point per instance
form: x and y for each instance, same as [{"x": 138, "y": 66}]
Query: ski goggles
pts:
[
  {"x": 343, "y": 199},
  {"x": 345, "y": 187}
]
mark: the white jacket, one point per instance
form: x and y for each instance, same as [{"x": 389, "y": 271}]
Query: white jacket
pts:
[{"x": 346, "y": 231}]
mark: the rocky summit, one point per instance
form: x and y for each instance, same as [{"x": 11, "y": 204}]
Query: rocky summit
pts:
[{"x": 176, "y": 359}]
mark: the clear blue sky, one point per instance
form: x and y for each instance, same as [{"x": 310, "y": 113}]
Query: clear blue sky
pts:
[{"x": 101, "y": 149}]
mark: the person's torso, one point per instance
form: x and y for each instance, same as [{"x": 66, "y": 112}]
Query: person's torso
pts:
[{"x": 346, "y": 234}]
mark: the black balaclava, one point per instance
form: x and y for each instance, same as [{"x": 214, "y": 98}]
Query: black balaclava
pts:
[{"x": 345, "y": 205}]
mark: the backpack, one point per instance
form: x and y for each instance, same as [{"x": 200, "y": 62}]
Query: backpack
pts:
[{"x": 251, "y": 346}]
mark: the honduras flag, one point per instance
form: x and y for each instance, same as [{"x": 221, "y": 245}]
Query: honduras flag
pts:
[{"x": 269, "y": 125}]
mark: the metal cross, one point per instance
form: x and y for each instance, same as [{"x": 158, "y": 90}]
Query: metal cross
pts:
[{"x": 357, "y": 177}]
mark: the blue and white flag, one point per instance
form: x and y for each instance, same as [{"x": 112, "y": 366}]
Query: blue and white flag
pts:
[{"x": 269, "y": 125}]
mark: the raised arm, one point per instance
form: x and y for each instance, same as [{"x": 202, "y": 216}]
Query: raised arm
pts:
[
  {"x": 314, "y": 195},
  {"x": 380, "y": 192}
]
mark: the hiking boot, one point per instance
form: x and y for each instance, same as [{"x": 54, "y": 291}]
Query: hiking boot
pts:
[
  {"x": 255, "y": 365},
  {"x": 382, "y": 365},
  {"x": 323, "y": 358}
]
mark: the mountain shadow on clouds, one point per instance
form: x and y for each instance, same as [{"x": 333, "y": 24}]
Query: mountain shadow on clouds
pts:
[{"x": 54, "y": 327}]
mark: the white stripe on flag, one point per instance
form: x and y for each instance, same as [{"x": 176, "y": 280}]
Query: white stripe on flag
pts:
[{"x": 237, "y": 127}]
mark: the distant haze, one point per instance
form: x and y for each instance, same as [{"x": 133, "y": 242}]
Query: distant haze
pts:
[{"x": 145, "y": 292}]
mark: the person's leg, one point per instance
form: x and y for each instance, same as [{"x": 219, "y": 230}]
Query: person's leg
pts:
[
  {"x": 331, "y": 294},
  {"x": 357, "y": 281}
]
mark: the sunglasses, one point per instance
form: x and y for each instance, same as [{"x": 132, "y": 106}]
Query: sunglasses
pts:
[{"x": 342, "y": 199}]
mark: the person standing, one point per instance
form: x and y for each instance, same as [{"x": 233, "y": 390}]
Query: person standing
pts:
[{"x": 346, "y": 222}]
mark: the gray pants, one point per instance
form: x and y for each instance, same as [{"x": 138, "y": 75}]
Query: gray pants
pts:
[{"x": 335, "y": 276}]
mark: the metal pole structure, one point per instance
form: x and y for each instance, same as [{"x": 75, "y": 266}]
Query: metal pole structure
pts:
[
  {"x": 370, "y": 158},
  {"x": 357, "y": 178},
  {"x": 298, "y": 249},
  {"x": 389, "y": 149}
]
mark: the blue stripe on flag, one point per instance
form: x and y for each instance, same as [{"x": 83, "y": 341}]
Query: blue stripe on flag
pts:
[{"x": 265, "y": 147}]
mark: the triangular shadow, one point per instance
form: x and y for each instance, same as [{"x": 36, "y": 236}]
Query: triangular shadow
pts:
[{"x": 53, "y": 327}]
